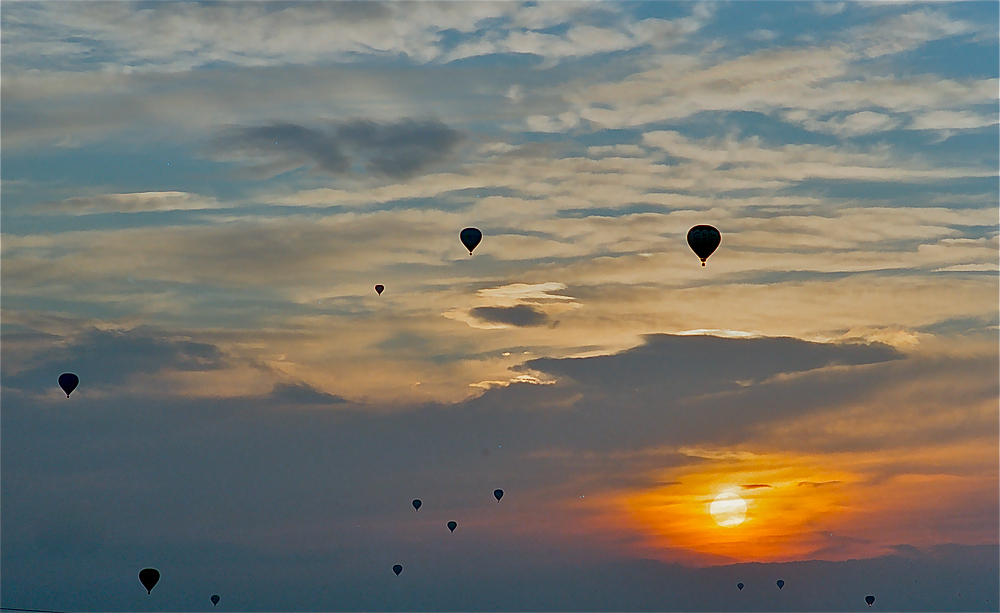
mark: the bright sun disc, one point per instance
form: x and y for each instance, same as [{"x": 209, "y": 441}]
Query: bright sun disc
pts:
[{"x": 728, "y": 509}]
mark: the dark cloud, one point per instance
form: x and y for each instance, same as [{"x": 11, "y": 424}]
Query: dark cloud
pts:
[
  {"x": 265, "y": 503},
  {"x": 302, "y": 394},
  {"x": 521, "y": 315},
  {"x": 705, "y": 364},
  {"x": 107, "y": 358},
  {"x": 400, "y": 149},
  {"x": 818, "y": 483},
  {"x": 754, "y": 486}
]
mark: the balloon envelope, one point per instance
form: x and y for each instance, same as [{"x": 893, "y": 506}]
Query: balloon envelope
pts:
[
  {"x": 68, "y": 382},
  {"x": 704, "y": 240},
  {"x": 739, "y": 585},
  {"x": 148, "y": 578},
  {"x": 870, "y": 600},
  {"x": 379, "y": 289},
  {"x": 397, "y": 569},
  {"x": 416, "y": 504},
  {"x": 452, "y": 525},
  {"x": 498, "y": 494},
  {"x": 471, "y": 238},
  {"x": 215, "y": 599},
  {"x": 781, "y": 584}
]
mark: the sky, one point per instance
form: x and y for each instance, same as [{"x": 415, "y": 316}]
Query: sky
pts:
[{"x": 198, "y": 199}]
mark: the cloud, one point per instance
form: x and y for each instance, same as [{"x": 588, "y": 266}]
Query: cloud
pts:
[
  {"x": 129, "y": 203},
  {"x": 400, "y": 149},
  {"x": 107, "y": 358},
  {"x": 521, "y": 315},
  {"x": 301, "y": 394},
  {"x": 298, "y": 478},
  {"x": 901, "y": 33},
  {"x": 524, "y": 291},
  {"x": 684, "y": 364},
  {"x": 952, "y": 120},
  {"x": 186, "y": 37}
]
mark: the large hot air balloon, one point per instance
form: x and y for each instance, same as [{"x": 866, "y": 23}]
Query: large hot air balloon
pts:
[
  {"x": 379, "y": 289},
  {"x": 470, "y": 238},
  {"x": 740, "y": 586},
  {"x": 781, "y": 584},
  {"x": 870, "y": 600},
  {"x": 398, "y": 568},
  {"x": 416, "y": 504},
  {"x": 215, "y": 599},
  {"x": 704, "y": 240},
  {"x": 148, "y": 578},
  {"x": 452, "y": 525},
  {"x": 68, "y": 382},
  {"x": 498, "y": 494}
]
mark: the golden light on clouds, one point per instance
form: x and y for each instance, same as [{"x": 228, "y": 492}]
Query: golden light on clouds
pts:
[
  {"x": 785, "y": 501},
  {"x": 798, "y": 507}
]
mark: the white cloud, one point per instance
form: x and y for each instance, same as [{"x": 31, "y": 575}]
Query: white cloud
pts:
[
  {"x": 854, "y": 124},
  {"x": 763, "y": 34},
  {"x": 828, "y": 8},
  {"x": 952, "y": 120},
  {"x": 909, "y": 31},
  {"x": 130, "y": 203}
]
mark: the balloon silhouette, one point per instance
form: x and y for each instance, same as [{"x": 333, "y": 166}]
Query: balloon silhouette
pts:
[
  {"x": 781, "y": 584},
  {"x": 452, "y": 525},
  {"x": 498, "y": 494},
  {"x": 148, "y": 578},
  {"x": 397, "y": 569},
  {"x": 416, "y": 504},
  {"x": 68, "y": 382},
  {"x": 740, "y": 586},
  {"x": 215, "y": 599},
  {"x": 870, "y": 600},
  {"x": 470, "y": 238},
  {"x": 379, "y": 289},
  {"x": 704, "y": 240}
]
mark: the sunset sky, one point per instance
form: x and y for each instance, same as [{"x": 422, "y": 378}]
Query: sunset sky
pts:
[{"x": 199, "y": 198}]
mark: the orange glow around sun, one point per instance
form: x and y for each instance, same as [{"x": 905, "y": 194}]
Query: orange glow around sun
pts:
[{"x": 787, "y": 507}]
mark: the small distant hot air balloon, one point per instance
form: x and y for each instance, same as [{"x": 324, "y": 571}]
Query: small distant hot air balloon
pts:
[
  {"x": 452, "y": 525},
  {"x": 498, "y": 494},
  {"x": 68, "y": 382},
  {"x": 704, "y": 240},
  {"x": 471, "y": 238},
  {"x": 416, "y": 504},
  {"x": 740, "y": 586},
  {"x": 398, "y": 568},
  {"x": 379, "y": 289},
  {"x": 215, "y": 599},
  {"x": 870, "y": 600},
  {"x": 781, "y": 584},
  {"x": 148, "y": 578}
]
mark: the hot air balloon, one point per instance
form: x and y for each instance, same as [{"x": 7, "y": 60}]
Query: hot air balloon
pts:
[
  {"x": 870, "y": 600},
  {"x": 740, "y": 586},
  {"x": 704, "y": 240},
  {"x": 148, "y": 578},
  {"x": 470, "y": 238},
  {"x": 379, "y": 289},
  {"x": 452, "y": 525},
  {"x": 68, "y": 382},
  {"x": 416, "y": 504},
  {"x": 398, "y": 568},
  {"x": 498, "y": 494},
  {"x": 781, "y": 584},
  {"x": 215, "y": 599}
]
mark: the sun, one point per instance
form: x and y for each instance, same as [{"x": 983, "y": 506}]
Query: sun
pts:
[{"x": 728, "y": 510}]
